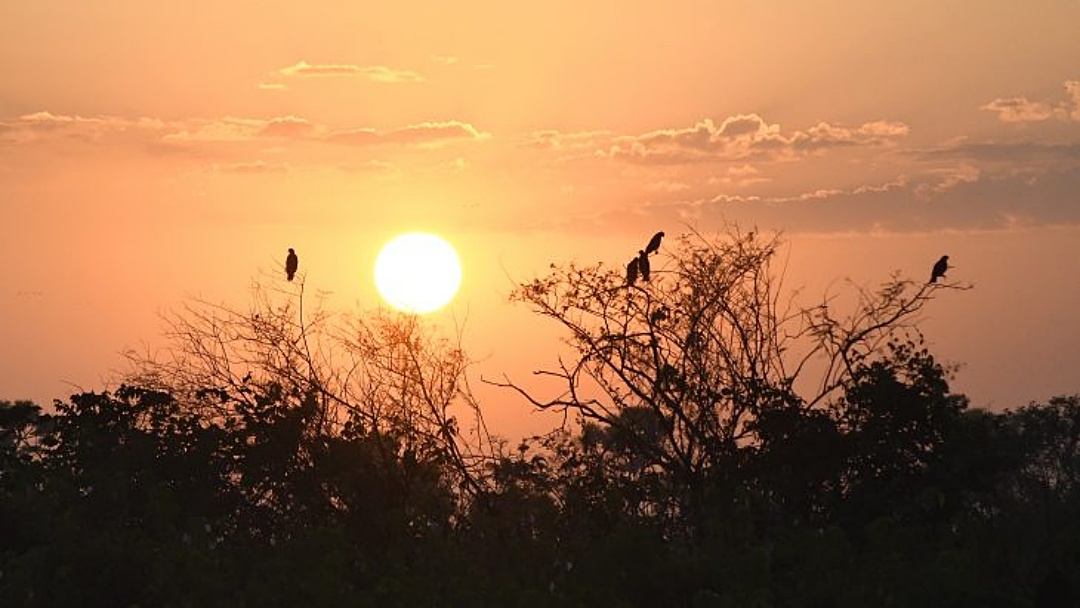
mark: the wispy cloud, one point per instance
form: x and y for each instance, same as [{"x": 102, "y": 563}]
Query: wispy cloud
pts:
[
  {"x": 557, "y": 140},
  {"x": 1024, "y": 152},
  {"x": 373, "y": 166},
  {"x": 254, "y": 167},
  {"x": 288, "y": 127},
  {"x": 42, "y": 126},
  {"x": 1022, "y": 109},
  {"x": 740, "y": 176},
  {"x": 819, "y": 194},
  {"x": 424, "y": 134},
  {"x": 667, "y": 186},
  {"x": 232, "y": 129},
  {"x": 374, "y": 73}
]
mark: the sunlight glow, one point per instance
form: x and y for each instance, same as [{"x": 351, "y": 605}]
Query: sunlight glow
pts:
[{"x": 417, "y": 273}]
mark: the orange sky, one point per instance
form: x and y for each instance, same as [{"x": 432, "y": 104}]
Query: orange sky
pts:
[{"x": 152, "y": 150}]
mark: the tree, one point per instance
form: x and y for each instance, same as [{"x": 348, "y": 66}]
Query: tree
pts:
[
  {"x": 386, "y": 376},
  {"x": 712, "y": 364}
]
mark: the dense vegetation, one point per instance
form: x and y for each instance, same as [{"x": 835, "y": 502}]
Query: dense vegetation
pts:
[{"x": 722, "y": 448}]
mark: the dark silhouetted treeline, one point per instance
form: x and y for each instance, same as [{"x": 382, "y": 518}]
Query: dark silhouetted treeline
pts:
[
  {"x": 902, "y": 498},
  {"x": 722, "y": 450}
]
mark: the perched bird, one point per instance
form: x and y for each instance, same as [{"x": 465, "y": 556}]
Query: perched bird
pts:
[
  {"x": 654, "y": 243},
  {"x": 632, "y": 271},
  {"x": 658, "y": 315},
  {"x": 291, "y": 262},
  {"x": 643, "y": 264},
  {"x": 939, "y": 269}
]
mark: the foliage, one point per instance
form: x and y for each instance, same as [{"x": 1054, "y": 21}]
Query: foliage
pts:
[
  {"x": 382, "y": 376},
  {"x": 709, "y": 373},
  {"x": 727, "y": 451}
]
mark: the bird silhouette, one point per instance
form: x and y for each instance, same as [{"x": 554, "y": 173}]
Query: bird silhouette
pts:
[
  {"x": 939, "y": 269},
  {"x": 291, "y": 263},
  {"x": 654, "y": 243},
  {"x": 643, "y": 264},
  {"x": 658, "y": 315},
  {"x": 632, "y": 272}
]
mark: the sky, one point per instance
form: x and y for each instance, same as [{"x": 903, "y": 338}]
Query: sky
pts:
[{"x": 157, "y": 151}]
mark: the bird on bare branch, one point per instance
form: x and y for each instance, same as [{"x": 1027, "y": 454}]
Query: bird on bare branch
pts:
[
  {"x": 643, "y": 265},
  {"x": 632, "y": 272},
  {"x": 291, "y": 264},
  {"x": 654, "y": 243},
  {"x": 940, "y": 267}
]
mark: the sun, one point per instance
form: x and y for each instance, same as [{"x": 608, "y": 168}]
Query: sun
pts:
[{"x": 417, "y": 273}]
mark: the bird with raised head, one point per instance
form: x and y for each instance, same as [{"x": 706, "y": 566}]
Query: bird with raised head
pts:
[
  {"x": 291, "y": 264},
  {"x": 939, "y": 269},
  {"x": 654, "y": 243},
  {"x": 643, "y": 264}
]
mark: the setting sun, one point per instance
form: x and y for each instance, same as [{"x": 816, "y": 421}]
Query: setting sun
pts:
[{"x": 417, "y": 273}]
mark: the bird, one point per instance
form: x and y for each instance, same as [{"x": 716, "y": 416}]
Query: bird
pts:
[
  {"x": 291, "y": 262},
  {"x": 643, "y": 264},
  {"x": 658, "y": 315},
  {"x": 632, "y": 271},
  {"x": 654, "y": 243},
  {"x": 939, "y": 269}
]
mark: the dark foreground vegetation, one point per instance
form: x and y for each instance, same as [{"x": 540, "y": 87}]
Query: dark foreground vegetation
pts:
[{"x": 722, "y": 448}]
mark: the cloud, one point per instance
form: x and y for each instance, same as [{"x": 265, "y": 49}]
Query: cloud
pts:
[
  {"x": 1072, "y": 89},
  {"x": 1025, "y": 152},
  {"x": 303, "y": 68},
  {"x": 255, "y": 167},
  {"x": 446, "y": 59},
  {"x": 220, "y": 130},
  {"x": 192, "y": 133},
  {"x": 740, "y": 176},
  {"x": 747, "y": 136},
  {"x": 363, "y": 136},
  {"x": 431, "y": 132},
  {"x": 375, "y": 73},
  {"x": 384, "y": 74},
  {"x": 557, "y": 140},
  {"x": 44, "y": 124},
  {"x": 949, "y": 178},
  {"x": 370, "y": 166},
  {"x": 39, "y": 127},
  {"x": 287, "y": 127},
  {"x": 667, "y": 186},
  {"x": 1022, "y": 110},
  {"x": 960, "y": 197},
  {"x": 742, "y": 170},
  {"x": 1019, "y": 109},
  {"x": 824, "y": 135},
  {"x": 271, "y": 86},
  {"x": 426, "y": 134},
  {"x": 456, "y": 165}
]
